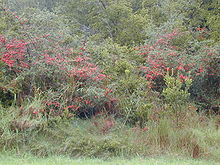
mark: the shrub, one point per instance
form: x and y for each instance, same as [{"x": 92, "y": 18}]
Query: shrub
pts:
[
  {"x": 43, "y": 63},
  {"x": 198, "y": 61},
  {"x": 176, "y": 95}
]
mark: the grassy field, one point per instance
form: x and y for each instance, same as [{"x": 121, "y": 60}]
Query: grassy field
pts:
[{"x": 67, "y": 161}]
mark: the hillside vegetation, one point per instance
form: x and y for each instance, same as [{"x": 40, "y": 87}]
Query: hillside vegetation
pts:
[{"x": 106, "y": 78}]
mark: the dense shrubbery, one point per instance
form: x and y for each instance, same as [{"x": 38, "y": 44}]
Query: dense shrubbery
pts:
[
  {"x": 43, "y": 64},
  {"x": 143, "y": 62}
]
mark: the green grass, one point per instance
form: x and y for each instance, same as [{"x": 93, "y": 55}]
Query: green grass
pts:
[
  {"x": 197, "y": 137},
  {"x": 68, "y": 161}
]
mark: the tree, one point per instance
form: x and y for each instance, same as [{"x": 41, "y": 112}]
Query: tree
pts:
[{"x": 114, "y": 19}]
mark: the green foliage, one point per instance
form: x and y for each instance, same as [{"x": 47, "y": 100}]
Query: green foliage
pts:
[
  {"x": 123, "y": 67},
  {"x": 155, "y": 11},
  {"x": 85, "y": 138},
  {"x": 41, "y": 4},
  {"x": 213, "y": 19},
  {"x": 109, "y": 54},
  {"x": 134, "y": 100},
  {"x": 176, "y": 94},
  {"x": 104, "y": 19},
  {"x": 184, "y": 41},
  {"x": 132, "y": 31},
  {"x": 77, "y": 57},
  {"x": 8, "y": 25},
  {"x": 32, "y": 160},
  {"x": 8, "y": 87},
  {"x": 46, "y": 22}
]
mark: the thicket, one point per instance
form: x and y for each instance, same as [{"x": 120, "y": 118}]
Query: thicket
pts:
[{"x": 144, "y": 69}]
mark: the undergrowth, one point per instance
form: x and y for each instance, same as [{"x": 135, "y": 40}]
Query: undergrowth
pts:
[{"x": 106, "y": 136}]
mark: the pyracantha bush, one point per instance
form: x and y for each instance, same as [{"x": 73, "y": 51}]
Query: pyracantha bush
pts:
[
  {"x": 44, "y": 63},
  {"x": 163, "y": 55}
]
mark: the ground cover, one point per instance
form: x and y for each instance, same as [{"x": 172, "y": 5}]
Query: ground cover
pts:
[{"x": 116, "y": 161}]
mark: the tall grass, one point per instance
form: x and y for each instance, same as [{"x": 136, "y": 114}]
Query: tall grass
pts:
[{"x": 196, "y": 138}]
